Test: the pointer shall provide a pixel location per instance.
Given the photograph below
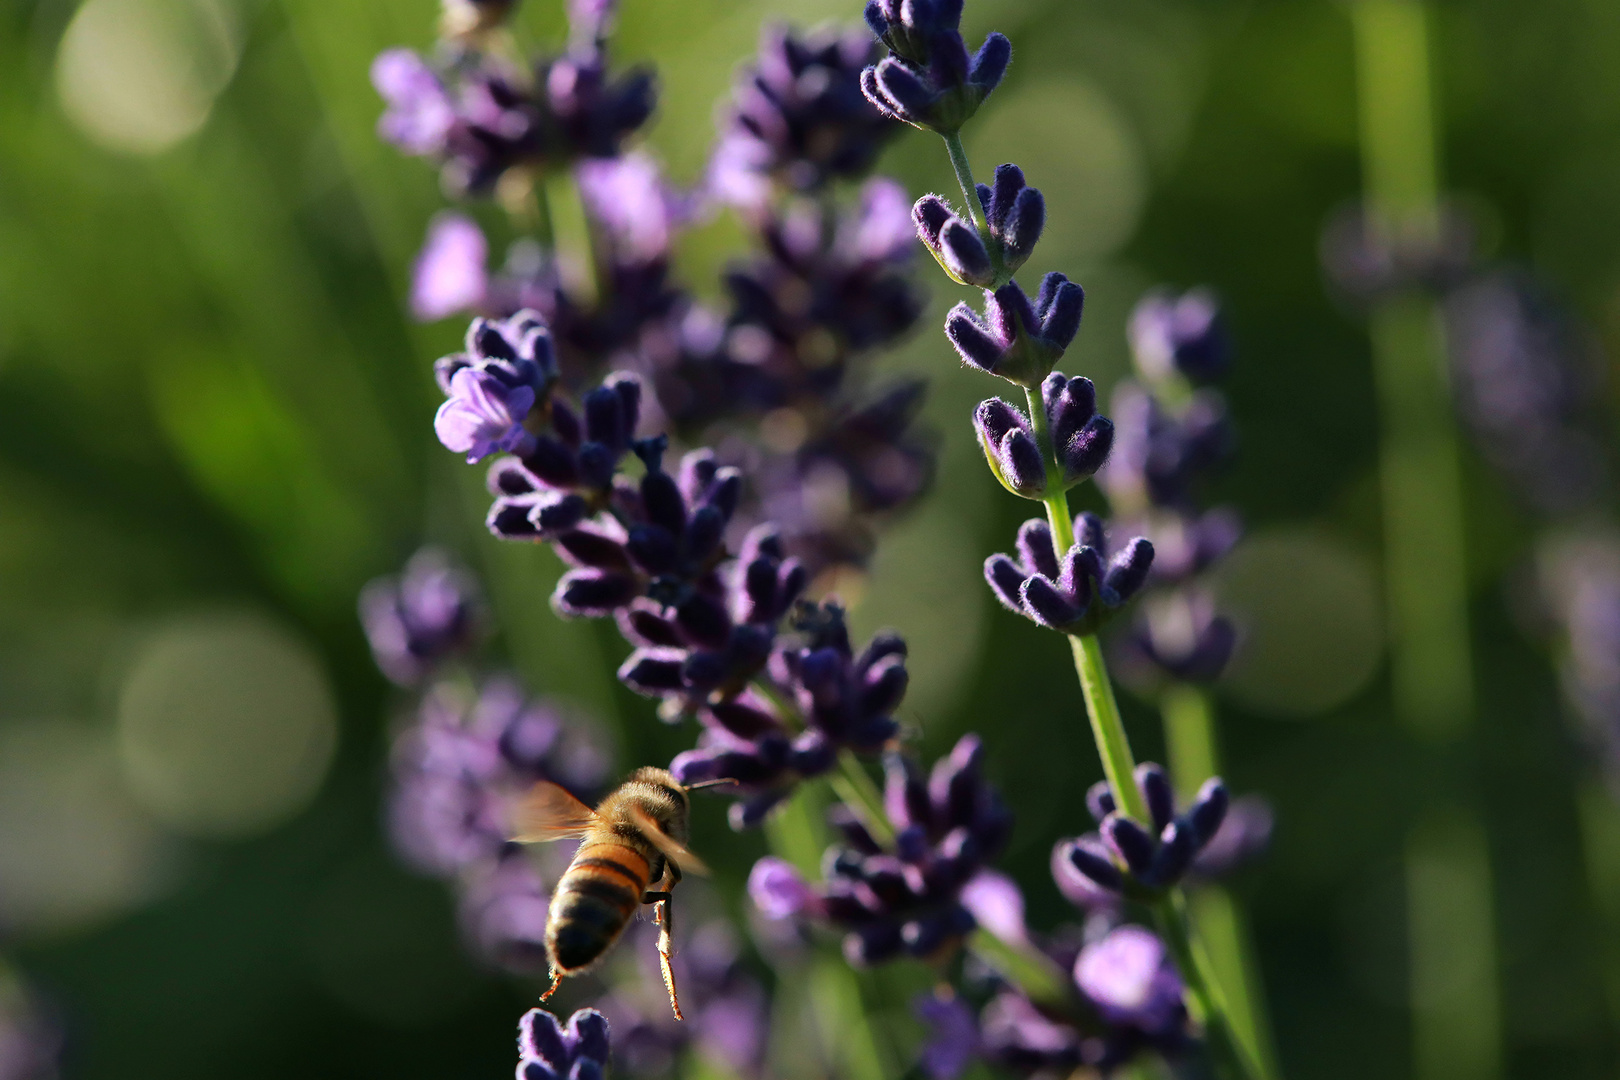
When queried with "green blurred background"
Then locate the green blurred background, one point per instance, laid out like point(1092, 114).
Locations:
point(214, 427)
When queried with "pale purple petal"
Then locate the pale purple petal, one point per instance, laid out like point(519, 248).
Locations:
point(449, 274)
point(996, 903)
point(420, 115)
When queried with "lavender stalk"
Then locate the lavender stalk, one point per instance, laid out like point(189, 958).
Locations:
point(1456, 1032)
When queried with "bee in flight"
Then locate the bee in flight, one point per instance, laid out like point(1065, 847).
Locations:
point(634, 839)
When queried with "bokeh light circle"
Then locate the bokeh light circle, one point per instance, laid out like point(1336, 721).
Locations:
point(226, 725)
point(137, 76)
point(1308, 607)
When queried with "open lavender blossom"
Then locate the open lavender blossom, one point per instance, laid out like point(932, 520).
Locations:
point(929, 80)
point(450, 275)
point(1129, 978)
point(1181, 633)
point(1077, 594)
point(1015, 339)
point(908, 897)
point(1136, 860)
point(417, 620)
point(549, 1051)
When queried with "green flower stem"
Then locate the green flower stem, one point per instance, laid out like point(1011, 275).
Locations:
point(856, 789)
point(1189, 734)
point(1205, 1001)
point(1106, 726)
point(964, 177)
point(1456, 1019)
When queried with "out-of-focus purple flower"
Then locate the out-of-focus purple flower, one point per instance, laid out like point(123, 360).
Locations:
point(449, 275)
point(777, 889)
point(1526, 385)
point(1015, 339)
point(799, 117)
point(954, 1035)
point(483, 415)
point(1135, 859)
point(997, 904)
point(456, 768)
point(516, 352)
point(929, 80)
point(1077, 594)
point(591, 21)
point(1366, 259)
point(1159, 455)
point(637, 208)
point(30, 1041)
point(1128, 976)
point(1243, 836)
point(1180, 633)
point(908, 899)
point(1578, 577)
point(502, 910)
point(1179, 335)
point(548, 1051)
point(420, 113)
point(1017, 1034)
point(416, 620)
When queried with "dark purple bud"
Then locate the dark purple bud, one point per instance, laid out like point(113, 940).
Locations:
point(1042, 602)
point(653, 672)
point(1005, 580)
point(1089, 532)
point(642, 623)
point(964, 255)
point(704, 621)
point(592, 593)
point(1020, 466)
point(1208, 810)
point(604, 418)
point(653, 549)
point(931, 213)
point(1099, 800)
point(587, 547)
point(1034, 546)
point(1130, 842)
point(990, 63)
point(704, 533)
point(901, 91)
point(777, 889)
point(885, 686)
point(551, 462)
point(905, 795)
point(1129, 569)
point(1161, 799)
point(1093, 863)
point(1024, 226)
point(972, 340)
point(662, 502)
point(1059, 305)
point(510, 519)
point(1087, 450)
point(852, 830)
point(597, 464)
point(507, 476)
point(1177, 847)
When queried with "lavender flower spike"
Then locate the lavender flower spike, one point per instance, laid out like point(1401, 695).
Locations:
point(416, 620)
point(1014, 339)
point(548, 1051)
point(1183, 335)
point(929, 80)
point(1078, 594)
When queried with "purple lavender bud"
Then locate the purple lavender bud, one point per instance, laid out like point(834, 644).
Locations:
point(1006, 580)
point(653, 672)
point(1014, 339)
point(955, 1035)
point(1015, 213)
point(1128, 976)
point(1091, 860)
point(1183, 335)
point(1099, 801)
point(1059, 305)
point(590, 547)
point(1043, 602)
point(1208, 810)
point(592, 593)
point(1130, 842)
point(1157, 792)
point(905, 795)
point(1128, 571)
point(1034, 546)
point(990, 64)
point(1019, 466)
point(963, 255)
point(1178, 843)
point(1084, 454)
point(546, 1051)
point(777, 889)
point(482, 415)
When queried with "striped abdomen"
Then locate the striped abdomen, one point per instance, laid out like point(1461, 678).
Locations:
point(593, 903)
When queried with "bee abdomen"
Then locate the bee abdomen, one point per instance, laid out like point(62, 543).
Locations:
point(593, 903)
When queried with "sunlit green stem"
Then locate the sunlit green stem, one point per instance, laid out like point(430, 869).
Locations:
point(1189, 734)
point(964, 177)
point(1019, 962)
point(860, 793)
point(1204, 998)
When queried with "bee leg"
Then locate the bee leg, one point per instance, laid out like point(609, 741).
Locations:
point(663, 914)
point(556, 981)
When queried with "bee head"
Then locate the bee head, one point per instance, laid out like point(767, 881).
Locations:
point(664, 779)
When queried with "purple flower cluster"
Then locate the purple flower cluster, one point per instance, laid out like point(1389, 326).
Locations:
point(1126, 858)
point(483, 118)
point(798, 118)
point(1171, 436)
point(549, 1051)
point(905, 898)
point(1526, 385)
point(417, 620)
point(1078, 593)
point(1015, 215)
point(928, 79)
point(1081, 438)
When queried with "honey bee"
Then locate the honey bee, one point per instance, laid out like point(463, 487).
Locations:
point(635, 838)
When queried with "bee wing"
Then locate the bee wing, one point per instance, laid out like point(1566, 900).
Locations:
point(671, 848)
point(549, 812)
